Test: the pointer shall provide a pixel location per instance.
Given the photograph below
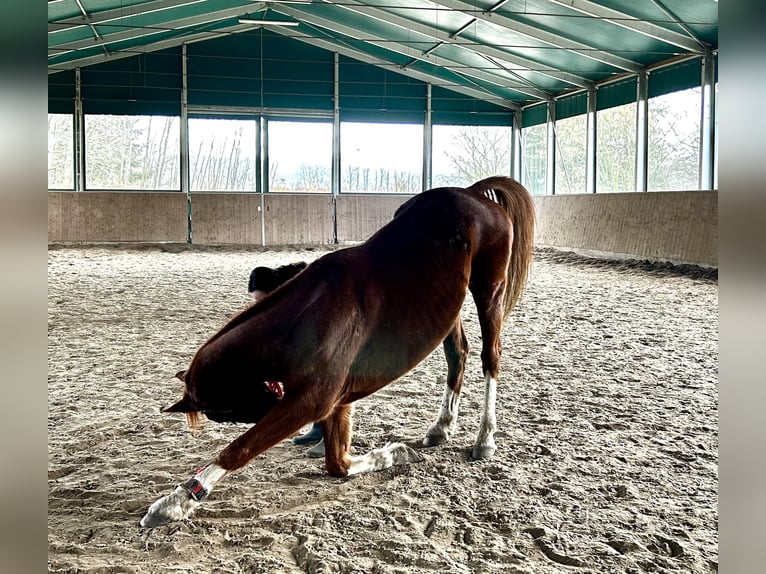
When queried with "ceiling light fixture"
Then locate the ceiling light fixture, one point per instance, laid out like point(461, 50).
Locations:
point(268, 22)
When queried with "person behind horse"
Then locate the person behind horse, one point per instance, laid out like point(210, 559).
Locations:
point(263, 280)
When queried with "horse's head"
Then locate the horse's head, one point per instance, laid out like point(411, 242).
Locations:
point(249, 404)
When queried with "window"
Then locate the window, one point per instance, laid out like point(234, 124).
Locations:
point(300, 156)
point(571, 151)
point(463, 155)
point(616, 149)
point(222, 154)
point(60, 151)
point(674, 140)
point(381, 157)
point(132, 152)
point(534, 153)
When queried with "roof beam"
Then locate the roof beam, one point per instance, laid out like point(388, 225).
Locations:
point(548, 38)
point(589, 8)
point(683, 26)
point(335, 46)
point(151, 47)
point(447, 38)
point(463, 69)
point(136, 9)
point(481, 93)
point(162, 26)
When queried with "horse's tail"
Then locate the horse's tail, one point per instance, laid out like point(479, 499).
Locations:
point(517, 203)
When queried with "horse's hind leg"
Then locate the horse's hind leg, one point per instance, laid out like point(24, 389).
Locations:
point(455, 351)
point(489, 305)
point(336, 429)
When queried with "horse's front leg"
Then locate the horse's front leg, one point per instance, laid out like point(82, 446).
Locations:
point(337, 442)
point(284, 420)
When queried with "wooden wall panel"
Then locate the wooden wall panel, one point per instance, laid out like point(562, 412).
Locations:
point(223, 218)
point(301, 219)
point(93, 217)
point(681, 227)
point(359, 216)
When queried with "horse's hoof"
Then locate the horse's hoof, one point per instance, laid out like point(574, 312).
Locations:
point(175, 506)
point(403, 454)
point(480, 452)
point(435, 439)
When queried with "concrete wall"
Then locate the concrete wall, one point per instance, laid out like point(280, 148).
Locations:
point(681, 227)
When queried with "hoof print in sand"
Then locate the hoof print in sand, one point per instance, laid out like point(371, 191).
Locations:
point(550, 553)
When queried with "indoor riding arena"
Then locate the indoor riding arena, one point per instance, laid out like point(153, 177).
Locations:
point(190, 142)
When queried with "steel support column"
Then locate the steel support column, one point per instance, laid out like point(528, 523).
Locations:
point(184, 145)
point(260, 122)
point(428, 143)
point(79, 135)
point(550, 163)
point(335, 168)
point(707, 123)
point(516, 147)
point(642, 132)
point(590, 144)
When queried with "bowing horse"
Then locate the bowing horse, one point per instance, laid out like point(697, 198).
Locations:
point(355, 320)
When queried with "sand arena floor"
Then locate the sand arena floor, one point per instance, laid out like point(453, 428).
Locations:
point(607, 445)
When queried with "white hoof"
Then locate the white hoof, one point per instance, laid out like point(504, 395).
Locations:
point(483, 451)
point(403, 454)
point(435, 436)
point(175, 506)
point(392, 454)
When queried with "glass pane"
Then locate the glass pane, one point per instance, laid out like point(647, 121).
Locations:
point(616, 149)
point(381, 157)
point(571, 150)
point(60, 151)
point(222, 154)
point(534, 152)
point(300, 156)
point(674, 140)
point(463, 155)
point(132, 152)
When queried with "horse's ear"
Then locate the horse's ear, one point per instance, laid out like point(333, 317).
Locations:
point(181, 375)
point(182, 406)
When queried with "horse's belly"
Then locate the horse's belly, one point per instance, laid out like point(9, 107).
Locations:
point(386, 357)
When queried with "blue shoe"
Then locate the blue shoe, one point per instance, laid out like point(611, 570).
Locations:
point(313, 435)
point(316, 451)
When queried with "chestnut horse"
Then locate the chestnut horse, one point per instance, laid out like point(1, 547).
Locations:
point(357, 319)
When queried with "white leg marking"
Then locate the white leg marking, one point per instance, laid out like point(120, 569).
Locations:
point(445, 423)
point(393, 454)
point(210, 475)
point(485, 441)
point(180, 503)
